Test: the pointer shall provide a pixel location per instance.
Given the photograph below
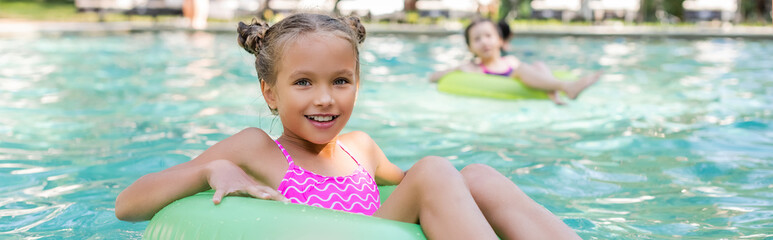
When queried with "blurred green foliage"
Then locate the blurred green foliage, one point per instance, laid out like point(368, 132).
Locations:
point(751, 10)
point(59, 10)
point(672, 7)
point(756, 10)
point(68, 2)
point(37, 9)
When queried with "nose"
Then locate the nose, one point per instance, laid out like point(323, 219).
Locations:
point(323, 97)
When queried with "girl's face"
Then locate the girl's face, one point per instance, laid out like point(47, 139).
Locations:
point(484, 40)
point(316, 87)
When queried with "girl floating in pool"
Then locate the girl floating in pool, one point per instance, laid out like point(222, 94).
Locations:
point(485, 40)
point(309, 73)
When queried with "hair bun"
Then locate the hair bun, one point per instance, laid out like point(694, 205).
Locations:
point(251, 36)
point(356, 26)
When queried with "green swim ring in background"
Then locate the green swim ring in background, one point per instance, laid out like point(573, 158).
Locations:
point(493, 86)
point(196, 217)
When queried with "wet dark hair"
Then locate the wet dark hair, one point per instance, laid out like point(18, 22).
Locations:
point(267, 43)
point(504, 29)
point(501, 28)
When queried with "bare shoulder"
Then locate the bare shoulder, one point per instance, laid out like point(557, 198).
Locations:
point(253, 133)
point(239, 147)
point(373, 158)
point(252, 137)
point(361, 146)
point(512, 61)
point(357, 138)
point(255, 151)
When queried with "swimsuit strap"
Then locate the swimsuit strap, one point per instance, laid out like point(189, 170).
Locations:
point(508, 72)
point(347, 152)
point(505, 73)
point(290, 159)
point(287, 155)
point(485, 70)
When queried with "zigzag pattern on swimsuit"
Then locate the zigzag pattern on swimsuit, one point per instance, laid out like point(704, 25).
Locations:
point(355, 193)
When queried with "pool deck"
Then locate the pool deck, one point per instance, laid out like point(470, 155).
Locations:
point(15, 28)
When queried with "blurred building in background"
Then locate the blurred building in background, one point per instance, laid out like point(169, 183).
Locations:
point(664, 11)
point(139, 7)
point(446, 8)
point(695, 10)
point(374, 10)
point(229, 9)
point(625, 9)
point(565, 10)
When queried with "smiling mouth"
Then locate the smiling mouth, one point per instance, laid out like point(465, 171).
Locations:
point(318, 118)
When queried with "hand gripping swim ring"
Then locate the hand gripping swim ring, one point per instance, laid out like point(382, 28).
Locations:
point(196, 217)
point(492, 86)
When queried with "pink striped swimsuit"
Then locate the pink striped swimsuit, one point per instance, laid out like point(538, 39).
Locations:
point(355, 193)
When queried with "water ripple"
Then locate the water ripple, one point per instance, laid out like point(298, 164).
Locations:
point(673, 142)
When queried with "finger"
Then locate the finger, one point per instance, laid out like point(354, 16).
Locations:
point(218, 196)
point(276, 195)
point(258, 192)
point(281, 198)
point(268, 193)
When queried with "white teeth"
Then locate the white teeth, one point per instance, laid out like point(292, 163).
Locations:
point(321, 118)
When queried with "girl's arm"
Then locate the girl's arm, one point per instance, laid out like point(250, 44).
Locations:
point(387, 173)
point(218, 167)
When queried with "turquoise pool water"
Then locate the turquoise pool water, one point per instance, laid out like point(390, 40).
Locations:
point(676, 140)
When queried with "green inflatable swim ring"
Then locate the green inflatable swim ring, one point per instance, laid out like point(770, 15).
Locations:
point(493, 86)
point(196, 217)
